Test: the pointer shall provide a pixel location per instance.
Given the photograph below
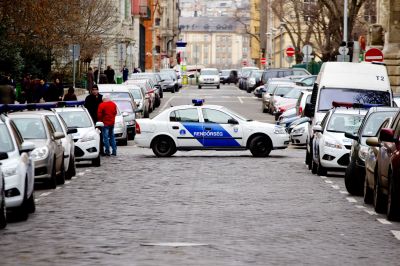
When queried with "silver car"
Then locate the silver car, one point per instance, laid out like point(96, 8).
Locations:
point(48, 155)
point(129, 114)
point(3, 210)
point(142, 100)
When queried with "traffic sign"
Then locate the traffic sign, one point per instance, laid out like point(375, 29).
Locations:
point(263, 61)
point(244, 62)
point(290, 51)
point(307, 49)
point(374, 54)
point(343, 50)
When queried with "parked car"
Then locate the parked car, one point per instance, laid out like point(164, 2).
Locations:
point(3, 209)
point(244, 74)
point(168, 83)
point(129, 115)
point(209, 77)
point(155, 78)
point(253, 81)
point(269, 91)
point(152, 82)
point(17, 168)
point(117, 91)
point(387, 171)
point(298, 131)
point(355, 172)
point(120, 129)
point(331, 147)
point(87, 139)
point(174, 76)
point(229, 76)
point(146, 86)
point(49, 152)
point(281, 73)
point(288, 101)
point(142, 100)
point(277, 95)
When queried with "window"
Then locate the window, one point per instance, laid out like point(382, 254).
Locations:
point(56, 123)
point(215, 116)
point(6, 143)
point(31, 128)
point(184, 115)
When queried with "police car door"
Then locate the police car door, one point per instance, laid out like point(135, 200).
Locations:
point(186, 128)
point(221, 130)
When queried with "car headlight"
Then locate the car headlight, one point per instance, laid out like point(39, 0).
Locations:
point(88, 137)
point(299, 130)
point(279, 130)
point(119, 125)
point(333, 144)
point(9, 171)
point(252, 81)
point(363, 153)
point(171, 84)
point(40, 153)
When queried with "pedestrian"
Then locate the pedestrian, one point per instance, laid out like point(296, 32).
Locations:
point(93, 101)
point(55, 91)
point(106, 113)
point(110, 73)
point(26, 89)
point(125, 73)
point(90, 79)
point(103, 78)
point(7, 92)
point(136, 70)
point(40, 90)
point(70, 95)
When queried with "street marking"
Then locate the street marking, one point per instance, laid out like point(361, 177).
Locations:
point(174, 244)
point(344, 192)
point(335, 187)
point(240, 100)
point(45, 194)
point(383, 221)
point(328, 182)
point(88, 170)
point(58, 188)
point(371, 212)
point(360, 207)
point(67, 182)
point(166, 105)
point(81, 174)
point(352, 200)
point(74, 177)
point(323, 177)
point(37, 200)
point(396, 234)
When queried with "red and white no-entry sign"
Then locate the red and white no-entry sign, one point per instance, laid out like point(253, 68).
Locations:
point(263, 61)
point(290, 51)
point(374, 54)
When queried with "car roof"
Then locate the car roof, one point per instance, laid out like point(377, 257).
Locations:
point(112, 88)
point(69, 109)
point(382, 109)
point(353, 111)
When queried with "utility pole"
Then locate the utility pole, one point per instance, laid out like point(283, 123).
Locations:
point(345, 22)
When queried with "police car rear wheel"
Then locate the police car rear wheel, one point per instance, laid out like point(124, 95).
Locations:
point(163, 147)
point(260, 146)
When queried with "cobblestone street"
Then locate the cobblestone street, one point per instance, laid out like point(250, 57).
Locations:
point(242, 210)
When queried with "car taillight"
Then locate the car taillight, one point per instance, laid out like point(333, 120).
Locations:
point(281, 109)
point(137, 128)
point(300, 110)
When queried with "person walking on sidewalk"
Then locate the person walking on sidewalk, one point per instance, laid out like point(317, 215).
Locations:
point(110, 73)
point(93, 101)
point(106, 114)
point(70, 95)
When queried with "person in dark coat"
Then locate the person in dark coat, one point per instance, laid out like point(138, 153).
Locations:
point(93, 101)
point(40, 90)
point(70, 95)
point(26, 89)
point(125, 73)
point(7, 92)
point(96, 75)
point(90, 79)
point(55, 91)
point(110, 73)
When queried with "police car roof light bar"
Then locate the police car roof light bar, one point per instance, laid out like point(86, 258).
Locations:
point(355, 105)
point(198, 102)
point(6, 108)
point(70, 103)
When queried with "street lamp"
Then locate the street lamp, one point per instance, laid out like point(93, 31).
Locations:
point(269, 47)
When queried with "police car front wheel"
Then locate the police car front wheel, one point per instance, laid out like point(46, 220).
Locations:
point(163, 147)
point(260, 146)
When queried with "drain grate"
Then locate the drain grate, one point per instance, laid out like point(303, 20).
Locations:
point(173, 244)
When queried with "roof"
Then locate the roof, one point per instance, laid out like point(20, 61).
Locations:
point(209, 24)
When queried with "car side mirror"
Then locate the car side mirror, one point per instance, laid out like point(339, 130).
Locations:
point(27, 147)
point(58, 135)
point(233, 121)
point(317, 128)
point(309, 110)
point(373, 142)
point(72, 131)
point(99, 124)
point(351, 135)
point(3, 155)
point(387, 135)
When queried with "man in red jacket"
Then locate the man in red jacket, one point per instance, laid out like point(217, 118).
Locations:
point(106, 113)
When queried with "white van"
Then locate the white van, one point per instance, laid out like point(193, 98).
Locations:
point(366, 83)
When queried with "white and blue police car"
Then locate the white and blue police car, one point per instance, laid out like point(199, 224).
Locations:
point(207, 127)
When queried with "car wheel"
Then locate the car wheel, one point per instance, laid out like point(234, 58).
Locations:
point(3, 211)
point(249, 90)
point(96, 162)
point(157, 102)
point(321, 171)
point(264, 110)
point(146, 113)
point(61, 176)
point(52, 182)
point(218, 87)
point(199, 87)
point(22, 211)
point(71, 168)
point(308, 160)
point(173, 90)
point(368, 192)
point(260, 146)
point(314, 167)
point(124, 142)
point(31, 205)
point(350, 179)
point(379, 199)
point(163, 147)
point(161, 94)
point(393, 212)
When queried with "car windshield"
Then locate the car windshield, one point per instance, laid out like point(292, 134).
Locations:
point(282, 90)
point(6, 143)
point(166, 76)
point(124, 95)
point(124, 106)
point(225, 72)
point(344, 122)
point(238, 116)
point(329, 95)
point(136, 94)
point(374, 122)
point(256, 74)
point(298, 72)
point(209, 72)
point(31, 128)
point(293, 94)
point(246, 71)
point(76, 119)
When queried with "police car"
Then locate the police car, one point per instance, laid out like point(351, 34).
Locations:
point(331, 148)
point(207, 127)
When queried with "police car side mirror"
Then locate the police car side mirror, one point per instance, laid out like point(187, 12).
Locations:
point(58, 135)
point(72, 131)
point(351, 136)
point(233, 121)
point(3, 155)
point(317, 128)
point(27, 147)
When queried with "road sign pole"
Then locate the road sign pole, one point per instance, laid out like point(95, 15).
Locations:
point(73, 65)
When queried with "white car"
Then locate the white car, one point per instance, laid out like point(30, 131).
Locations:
point(3, 210)
point(331, 149)
point(120, 129)
point(87, 139)
point(298, 135)
point(209, 77)
point(18, 169)
point(207, 127)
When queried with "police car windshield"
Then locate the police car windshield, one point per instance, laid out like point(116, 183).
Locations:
point(6, 144)
point(345, 122)
point(329, 95)
point(31, 128)
point(76, 119)
point(236, 115)
point(56, 123)
point(136, 93)
point(374, 122)
point(124, 106)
